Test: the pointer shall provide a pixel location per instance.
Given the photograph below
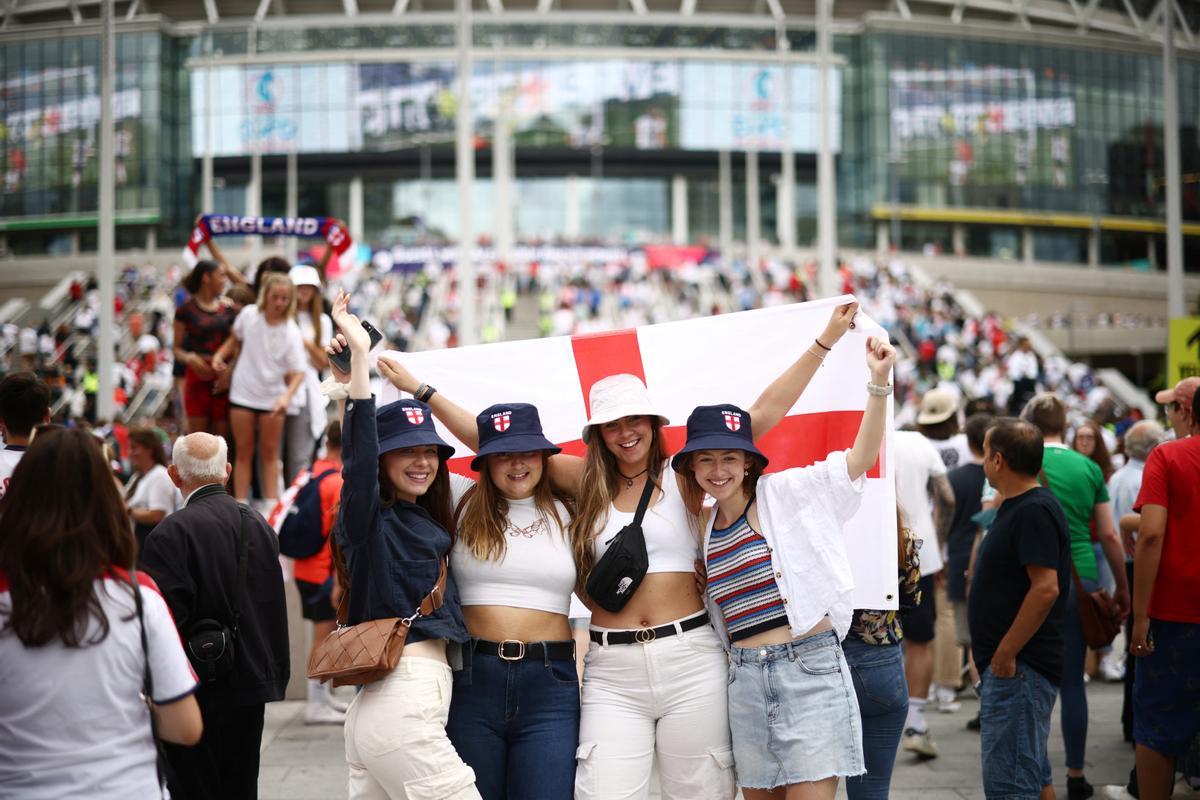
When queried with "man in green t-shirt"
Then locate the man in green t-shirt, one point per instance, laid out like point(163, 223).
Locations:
point(1079, 486)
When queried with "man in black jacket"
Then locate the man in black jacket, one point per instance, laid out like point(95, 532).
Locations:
point(193, 556)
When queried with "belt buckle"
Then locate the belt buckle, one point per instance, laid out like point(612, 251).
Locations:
point(644, 635)
point(520, 650)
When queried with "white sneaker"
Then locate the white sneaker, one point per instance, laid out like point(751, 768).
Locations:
point(1112, 668)
point(946, 702)
point(919, 742)
point(1117, 792)
point(1184, 789)
point(322, 714)
point(337, 703)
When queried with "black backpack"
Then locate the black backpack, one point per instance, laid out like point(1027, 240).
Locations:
point(300, 533)
point(619, 572)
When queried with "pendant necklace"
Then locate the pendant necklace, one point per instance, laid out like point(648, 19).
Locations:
point(629, 479)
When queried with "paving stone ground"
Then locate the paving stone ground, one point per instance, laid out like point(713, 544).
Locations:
point(302, 762)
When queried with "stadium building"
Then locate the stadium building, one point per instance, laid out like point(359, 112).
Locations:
point(999, 130)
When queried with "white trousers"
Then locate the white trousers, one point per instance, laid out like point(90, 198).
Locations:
point(396, 743)
point(666, 698)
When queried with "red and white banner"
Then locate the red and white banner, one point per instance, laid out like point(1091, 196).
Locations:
point(704, 361)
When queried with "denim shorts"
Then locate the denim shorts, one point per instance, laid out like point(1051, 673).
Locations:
point(793, 713)
point(1014, 720)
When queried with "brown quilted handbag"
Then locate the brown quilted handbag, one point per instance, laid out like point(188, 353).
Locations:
point(354, 655)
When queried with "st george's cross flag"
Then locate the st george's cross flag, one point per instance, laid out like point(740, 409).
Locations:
point(730, 358)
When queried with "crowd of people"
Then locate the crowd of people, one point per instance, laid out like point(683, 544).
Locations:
point(705, 601)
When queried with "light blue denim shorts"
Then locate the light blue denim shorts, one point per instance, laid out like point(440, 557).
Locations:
point(793, 713)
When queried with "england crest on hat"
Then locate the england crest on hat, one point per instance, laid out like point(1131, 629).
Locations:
point(733, 420)
point(415, 415)
point(502, 421)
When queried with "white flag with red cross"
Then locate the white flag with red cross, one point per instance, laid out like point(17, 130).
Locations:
point(730, 358)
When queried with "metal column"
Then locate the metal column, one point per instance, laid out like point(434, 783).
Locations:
point(1175, 299)
point(502, 180)
point(464, 170)
point(725, 204)
point(826, 200)
point(679, 210)
point(356, 222)
point(254, 204)
point(106, 267)
point(291, 243)
point(206, 163)
point(753, 211)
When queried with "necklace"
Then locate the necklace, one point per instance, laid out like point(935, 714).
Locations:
point(629, 479)
point(528, 531)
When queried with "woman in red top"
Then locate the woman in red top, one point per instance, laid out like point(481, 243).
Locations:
point(202, 324)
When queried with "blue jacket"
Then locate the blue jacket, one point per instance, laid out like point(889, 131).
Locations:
point(393, 553)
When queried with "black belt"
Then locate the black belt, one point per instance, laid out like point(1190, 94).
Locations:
point(515, 650)
point(646, 635)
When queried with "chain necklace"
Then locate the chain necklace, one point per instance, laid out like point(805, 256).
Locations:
point(629, 479)
point(529, 531)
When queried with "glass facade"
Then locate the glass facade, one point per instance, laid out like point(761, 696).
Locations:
point(49, 117)
point(970, 144)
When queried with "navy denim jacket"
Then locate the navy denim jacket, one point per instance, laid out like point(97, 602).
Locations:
point(392, 553)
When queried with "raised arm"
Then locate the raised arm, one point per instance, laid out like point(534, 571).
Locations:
point(231, 272)
point(778, 398)
point(880, 357)
point(460, 421)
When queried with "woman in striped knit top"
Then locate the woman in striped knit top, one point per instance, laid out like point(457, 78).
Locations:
point(778, 592)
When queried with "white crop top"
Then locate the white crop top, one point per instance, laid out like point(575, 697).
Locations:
point(538, 567)
point(671, 543)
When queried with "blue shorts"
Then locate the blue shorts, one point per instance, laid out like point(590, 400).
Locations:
point(1014, 727)
point(1166, 689)
point(793, 713)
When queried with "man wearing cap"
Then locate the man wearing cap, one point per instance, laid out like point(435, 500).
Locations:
point(1178, 402)
point(1166, 609)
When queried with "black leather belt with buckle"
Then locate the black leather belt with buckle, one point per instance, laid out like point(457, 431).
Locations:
point(515, 650)
point(647, 635)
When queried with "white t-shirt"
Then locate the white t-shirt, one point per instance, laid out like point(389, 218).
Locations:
point(29, 341)
point(917, 461)
point(269, 353)
point(9, 456)
point(72, 724)
point(155, 491)
point(954, 451)
point(538, 567)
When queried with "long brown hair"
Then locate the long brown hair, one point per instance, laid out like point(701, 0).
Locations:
point(693, 495)
point(437, 500)
point(598, 488)
point(1100, 452)
point(482, 515)
point(62, 526)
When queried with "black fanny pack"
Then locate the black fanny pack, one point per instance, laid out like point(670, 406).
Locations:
point(619, 572)
point(211, 644)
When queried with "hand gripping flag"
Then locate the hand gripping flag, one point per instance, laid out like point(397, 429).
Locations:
point(211, 225)
point(725, 359)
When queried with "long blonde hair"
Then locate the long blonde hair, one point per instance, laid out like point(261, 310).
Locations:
point(482, 515)
point(597, 489)
point(270, 280)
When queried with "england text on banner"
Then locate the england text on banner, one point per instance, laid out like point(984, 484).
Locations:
point(723, 359)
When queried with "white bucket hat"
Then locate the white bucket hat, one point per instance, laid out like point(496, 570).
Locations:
point(619, 396)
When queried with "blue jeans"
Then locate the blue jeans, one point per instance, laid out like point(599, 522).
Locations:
point(1074, 706)
point(516, 723)
point(879, 682)
point(1014, 728)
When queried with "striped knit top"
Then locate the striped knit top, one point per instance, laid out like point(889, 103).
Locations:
point(741, 581)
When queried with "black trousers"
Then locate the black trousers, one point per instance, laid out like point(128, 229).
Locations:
point(224, 764)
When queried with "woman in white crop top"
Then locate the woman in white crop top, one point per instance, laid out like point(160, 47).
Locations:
point(514, 711)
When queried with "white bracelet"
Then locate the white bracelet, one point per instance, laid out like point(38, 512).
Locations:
point(877, 390)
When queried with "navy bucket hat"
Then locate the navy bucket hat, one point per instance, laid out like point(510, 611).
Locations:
point(510, 428)
point(408, 423)
point(724, 427)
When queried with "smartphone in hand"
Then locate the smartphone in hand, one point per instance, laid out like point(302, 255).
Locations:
point(342, 360)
